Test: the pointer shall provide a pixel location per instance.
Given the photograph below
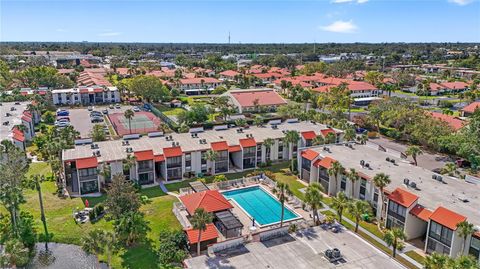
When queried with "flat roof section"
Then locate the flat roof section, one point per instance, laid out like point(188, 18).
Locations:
point(455, 194)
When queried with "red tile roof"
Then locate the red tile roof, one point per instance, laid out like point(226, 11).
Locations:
point(325, 132)
point(452, 121)
point(209, 234)
point(246, 98)
point(403, 197)
point(456, 85)
point(211, 201)
point(421, 212)
point(325, 162)
point(143, 155)
point(248, 142)
point(219, 146)
point(229, 73)
point(309, 154)
point(159, 158)
point(206, 80)
point(89, 162)
point(172, 152)
point(435, 87)
point(447, 217)
point(309, 135)
point(234, 148)
point(26, 118)
point(471, 107)
point(18, 136)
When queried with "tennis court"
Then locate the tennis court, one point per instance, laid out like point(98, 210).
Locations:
point(141, 123)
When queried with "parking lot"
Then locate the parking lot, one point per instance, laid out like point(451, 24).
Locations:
point(80, 118)
point(302, 250)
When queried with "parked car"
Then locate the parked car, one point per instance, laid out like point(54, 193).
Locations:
point(17, 103)
point(136, 109)
point(96, 119)
point(63, 120)
point(95, 113)
point(90, 108)
point(117, 106)
point(63, 112)
point(62, 123)
point(111, 106)
point(105, 111)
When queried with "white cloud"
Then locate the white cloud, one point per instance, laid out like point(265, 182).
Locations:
point(357, 1)
point(109, 34)
point(340, 27)
point(460, 2)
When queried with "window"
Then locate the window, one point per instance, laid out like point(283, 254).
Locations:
point(475, 247)
point(343, 183)
point(188, 162)
point(89, 186)
point(204, 162)
point(306, 164)
point(280, 150)
point(434, 246)
point(144, 165)
point(174, 173)
point(396, 210)
point(308, 142)
point(440, 233)
point(88, 173)
point(145, 178)
point(363, 189)
point(174, 161)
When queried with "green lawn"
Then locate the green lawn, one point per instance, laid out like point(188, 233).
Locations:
point(169, 111)
point(414, 255)
point(63, 228)
point(292, 181)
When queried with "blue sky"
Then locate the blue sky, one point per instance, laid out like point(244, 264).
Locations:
point(251, 21)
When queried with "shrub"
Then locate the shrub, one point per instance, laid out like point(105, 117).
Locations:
point(219, 178)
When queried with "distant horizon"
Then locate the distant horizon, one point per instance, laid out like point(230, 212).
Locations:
point(241, 22)
point(262, 43)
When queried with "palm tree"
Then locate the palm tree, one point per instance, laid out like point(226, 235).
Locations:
point(128, 163)
point(282, 190)
point(211, 156)
point(449, 168)
point(313, 198)
point(268, 143)
point(393, 238)
point(129, 115)
point(34, 184)
point(258, 121)
point(414, 151)
point(349, 134)
point(465, 229)
point(330, 138)
point(358, 208)
point(362, 139)
point(106, 172)
point(292, 137)
point(334, 171)
point(339, 203)
point(380, 181)
point(436, 261)
point(318, 140)
point(353, 176)
point(101, 242)
point(199, 222)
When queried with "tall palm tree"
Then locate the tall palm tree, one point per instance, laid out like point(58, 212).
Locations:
point(393, 238)
point(199, 221)
point(349, 134)
point(381, 180)
point(105, 172)
point(339, 203)
point(282, 190)
point(128, 163)
point(358, 208)
point(34, 183)
point(465, 229)
point(353, 176)
point(268, 143)
point(334, 171)
point(292, 137)
point(313, 198)
point(436, 261)
point(129, 116)
point(414, 151)
point(211, 156)
point(318, 140)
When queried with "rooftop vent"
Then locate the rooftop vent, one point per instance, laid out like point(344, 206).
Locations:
point(362, 163)
point(173, 144)
point(413, 185)
point(406, 181)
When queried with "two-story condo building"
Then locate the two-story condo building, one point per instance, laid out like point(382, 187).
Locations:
point(86, 96)
point(426, 205)
point(198, 85)
point(176, 156)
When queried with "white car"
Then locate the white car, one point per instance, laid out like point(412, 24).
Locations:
point(62, 123)
point(136, 109)
point(90, 108)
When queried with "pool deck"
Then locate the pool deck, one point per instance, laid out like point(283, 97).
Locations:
point(301, 250)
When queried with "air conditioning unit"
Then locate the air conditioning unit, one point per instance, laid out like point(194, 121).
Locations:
point(406, 181)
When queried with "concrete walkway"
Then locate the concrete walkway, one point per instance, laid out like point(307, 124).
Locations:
point(165, 190)
point(402, 254)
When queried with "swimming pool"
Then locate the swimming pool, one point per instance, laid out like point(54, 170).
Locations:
point(260, 205)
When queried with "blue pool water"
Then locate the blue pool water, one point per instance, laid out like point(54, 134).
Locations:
point(260, 205)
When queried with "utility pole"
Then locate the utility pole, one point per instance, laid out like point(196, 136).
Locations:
point(228, 37)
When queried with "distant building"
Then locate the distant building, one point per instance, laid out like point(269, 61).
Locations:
point(252, 99)
point(468, 110)
point(86, 96)
point(195, 86)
